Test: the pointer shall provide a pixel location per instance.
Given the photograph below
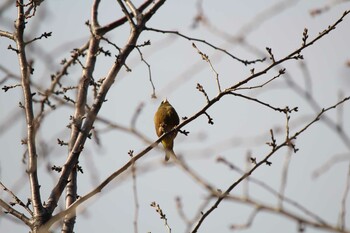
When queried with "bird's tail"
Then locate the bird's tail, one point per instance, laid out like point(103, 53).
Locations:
point(169, 154)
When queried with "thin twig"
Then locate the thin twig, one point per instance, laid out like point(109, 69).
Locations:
point(136, 200)
point(205, 57)
point(45, 34)
point(162, 215)
point(284, 178)
point(121, 21)
point(340, 113)
point(149, 73)
point(245, 62)
point(293, 55)
point(342, 215)
point(247, 168)
point(274, 192)
point(15, 213)
point(329, 163)
point(249, 222)
point(136, 115)
point(17, 200)
point(221, 197)
point(326, 7)
point(283, 212)
point(181, 212)
point(280, 73)
point(283, 110)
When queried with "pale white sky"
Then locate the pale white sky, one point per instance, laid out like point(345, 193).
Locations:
point(240, 126)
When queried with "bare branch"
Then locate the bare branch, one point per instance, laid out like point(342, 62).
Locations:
point(342, 214)
point(328, 164)
point(17, 200)
point(283, 110)
point(134, 11)
point(28, 105)
point(326, 7)
point(293, 55)
point(221, 197)
point(134, 189)
point(6, 88)
point(274, 192)
point(9, 35)
point(45, 35)
point(94, 14)
point(245, 62)
point(149, 69)
point(81, 133)
point(280, 73)
point(248, 223)
point(284, 178)
point(121, 21)
point(78, 116)
point(206, 58)
point(136, 115)
point(15, 213)
point(162, 215)
point(88, 105)
point(99, 188)
point(283, 212)
point(200, 88)
point(127, 14)
point(181, 212)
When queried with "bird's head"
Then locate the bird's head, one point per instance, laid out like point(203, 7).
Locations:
point(165, 100)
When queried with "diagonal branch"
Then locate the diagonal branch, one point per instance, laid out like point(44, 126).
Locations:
point(282, 212)
point(245, 62)
point(15, 213)
point(122, 20)
point(100, 187)
point(79, 138)
point(127, 14)
point(17, 200)
point(293, 55)
point(257, 165)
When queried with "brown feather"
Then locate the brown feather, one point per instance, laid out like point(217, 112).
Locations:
point(165, 119)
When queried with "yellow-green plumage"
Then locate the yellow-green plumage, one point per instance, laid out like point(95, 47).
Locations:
point(165, 119)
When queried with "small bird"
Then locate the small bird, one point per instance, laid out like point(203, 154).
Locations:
point(165, 119)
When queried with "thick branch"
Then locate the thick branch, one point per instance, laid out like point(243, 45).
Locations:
point(100, 187)
point(79, 113)
point(31, 124)
point(122, 20)
point(7, 34)
point(78, 144)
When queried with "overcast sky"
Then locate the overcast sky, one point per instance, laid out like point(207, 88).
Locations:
point(240, 126)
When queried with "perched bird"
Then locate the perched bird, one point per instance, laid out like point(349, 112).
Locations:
point(165, 119)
